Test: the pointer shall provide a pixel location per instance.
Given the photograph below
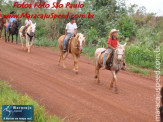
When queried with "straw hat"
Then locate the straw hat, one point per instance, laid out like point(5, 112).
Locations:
point(112, 31)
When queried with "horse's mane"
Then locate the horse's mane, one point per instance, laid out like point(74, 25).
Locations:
point(29, 27)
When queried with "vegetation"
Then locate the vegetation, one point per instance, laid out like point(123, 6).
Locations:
point(141, 30)
point(9, 96)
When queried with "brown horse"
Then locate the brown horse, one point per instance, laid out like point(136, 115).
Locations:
point(75, 47)
point(117, 63)
point(2, 22)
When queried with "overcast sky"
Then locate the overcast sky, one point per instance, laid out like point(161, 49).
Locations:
point(155, 6)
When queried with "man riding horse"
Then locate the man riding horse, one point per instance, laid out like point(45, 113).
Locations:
point(70, 31)
point(112, 44)
point(28, 22)
point(11, 20)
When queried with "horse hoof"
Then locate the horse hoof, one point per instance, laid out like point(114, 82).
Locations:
point(98, 82)
point(111, 89)
point(116, 92)
point(95, 76)
point(77, 72)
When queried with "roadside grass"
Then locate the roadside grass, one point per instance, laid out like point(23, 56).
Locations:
point(138, 70)
point(45, 42)
point(8, 96)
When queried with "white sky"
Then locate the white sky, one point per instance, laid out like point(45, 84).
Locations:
point(155, 6)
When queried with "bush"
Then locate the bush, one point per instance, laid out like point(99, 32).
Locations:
point(140, 56)
point(126, 26)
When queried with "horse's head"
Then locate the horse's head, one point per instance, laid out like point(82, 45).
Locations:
point(17, 24)
point(119, 52)
point(33, 29)
point(80, 41)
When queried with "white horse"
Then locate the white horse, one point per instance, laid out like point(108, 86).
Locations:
point(117, 63)
point(29, 36)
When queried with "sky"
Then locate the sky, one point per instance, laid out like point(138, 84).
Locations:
point(155, 6)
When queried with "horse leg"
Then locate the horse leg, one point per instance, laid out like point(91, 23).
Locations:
point(21, 39)
point(9, 37)
point(12, 38)
point(115, 81)
point(16, 38)
point(27, 44)
point(5, 36)
point(0, 34)
point(75, 69)
point(60, 57)
point(63, 62)
point(111, 84)
point(30, 46)
point(96, 68)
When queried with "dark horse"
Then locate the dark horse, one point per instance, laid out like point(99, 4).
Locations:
point(13, 30)
point(2, 22)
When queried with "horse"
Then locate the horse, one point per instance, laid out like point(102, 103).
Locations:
point(117, 63)
point(75, 47)
point(29, 36)
point(13, 30)
point(2, 22)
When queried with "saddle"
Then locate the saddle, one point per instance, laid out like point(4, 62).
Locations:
point(24, 31)
point(109, 59)
point(68, 46)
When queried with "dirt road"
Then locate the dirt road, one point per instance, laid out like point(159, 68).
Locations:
point(76, 97)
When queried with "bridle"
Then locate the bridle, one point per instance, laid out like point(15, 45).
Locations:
point(119, 62)
point(30, 36)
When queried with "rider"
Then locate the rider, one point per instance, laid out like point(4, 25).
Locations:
point(28, 22)
point(112, 44)
point(11, 20)
point(70, 31)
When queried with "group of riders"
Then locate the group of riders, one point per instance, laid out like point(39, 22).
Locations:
point(70, 31)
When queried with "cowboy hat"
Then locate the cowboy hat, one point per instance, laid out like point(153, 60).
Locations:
point(12, 12)
point(72, 18)
point(112, 31)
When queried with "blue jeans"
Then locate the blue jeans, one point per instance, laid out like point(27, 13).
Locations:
point(68, 36)
point(105, 56)
point(8, 26)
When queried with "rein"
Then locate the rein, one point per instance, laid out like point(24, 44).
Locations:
point(69, 49)
point(119, 64)
point(30, 36)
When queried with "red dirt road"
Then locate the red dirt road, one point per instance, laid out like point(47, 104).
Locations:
point(76, 97)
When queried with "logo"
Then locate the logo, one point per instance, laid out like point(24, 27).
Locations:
point(17, 112)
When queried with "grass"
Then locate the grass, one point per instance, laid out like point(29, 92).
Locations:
point(138, 70)
point(8, 96)
point(45, 42)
